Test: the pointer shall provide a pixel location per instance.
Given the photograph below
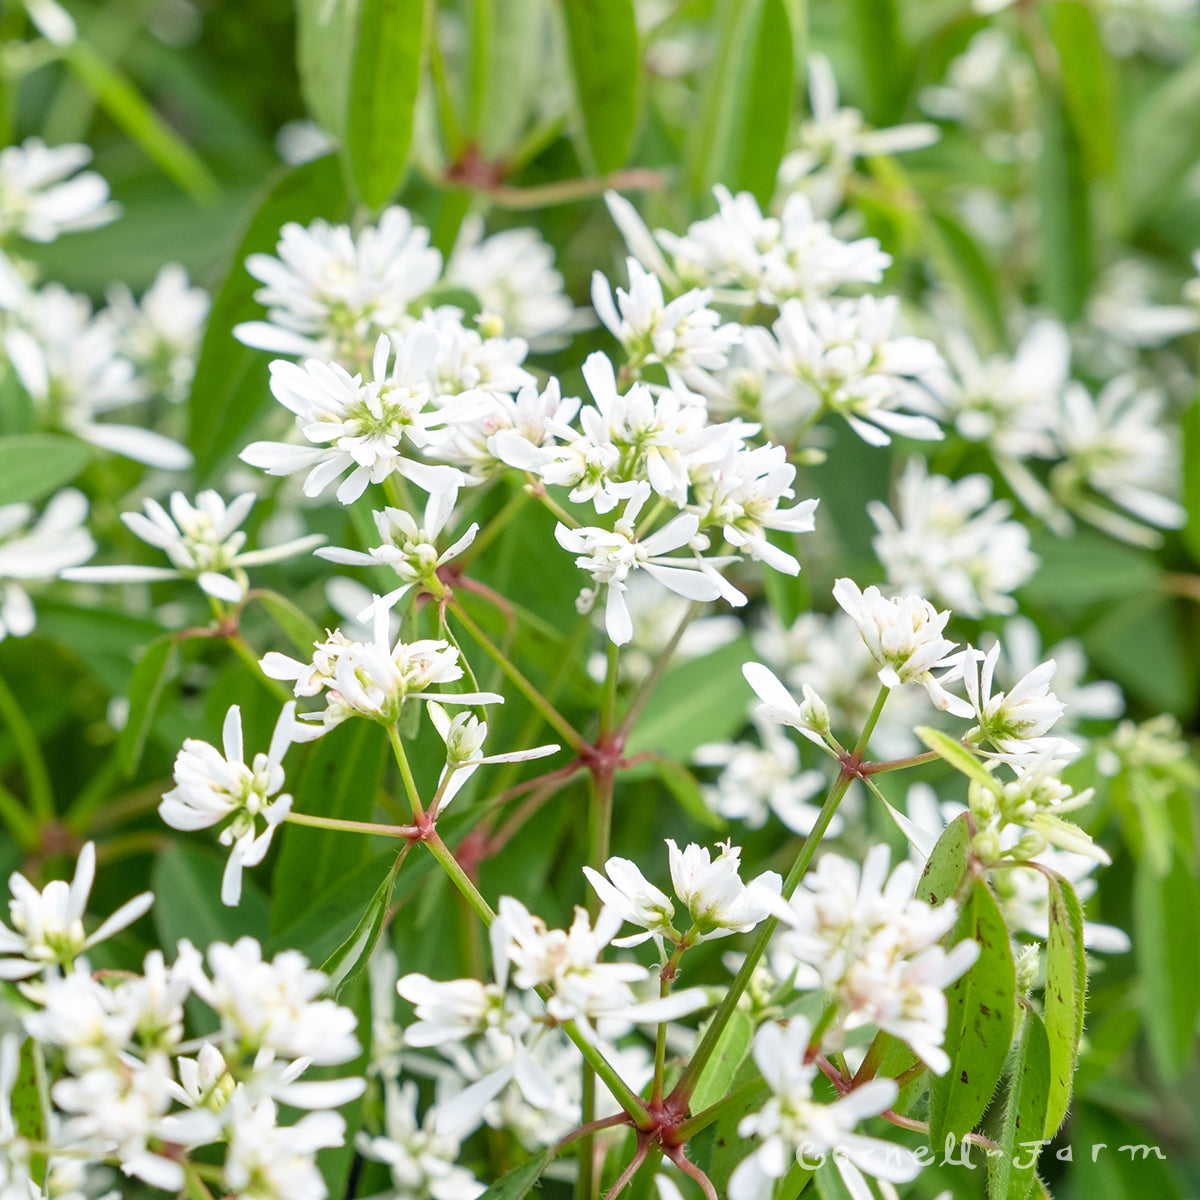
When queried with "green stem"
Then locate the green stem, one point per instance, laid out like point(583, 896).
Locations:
point(410, 784)
point(493, 528)
point(552, 716)
point(459, 877)
point(587, 1186)
point(656, 673)
point(538, 489)
point(898, 764)
point(392, 831)
point(691, 1074)
point(869, 1067)
point(12, 812)
point(860, 747)
point(41, 794)
point(664, 989)
point(608, 704)
point(714, 1112)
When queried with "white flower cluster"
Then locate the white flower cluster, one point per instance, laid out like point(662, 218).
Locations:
point(134, 1093)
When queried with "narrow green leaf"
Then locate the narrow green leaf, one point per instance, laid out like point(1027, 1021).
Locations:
point(350, 957)
point(1087, 81)
point(1064, 251)
point(186, 881)
point(150, 677)
point(884, 55)
point(325, 38)
point(512, 78)
point(603, 40)
point(959, 256)
point(230, 387)
point(681, 783)
point(520, 1181)
point(34, 464)
point(340, 781)
point(1166, 915)
point(716, 1080)
point(702, 700)
point(299, 628)
point(1191, 477)
point(383, 94)
point(28, 1106)
point(130, 110)
point(1065, 997)
point(946, 867)
point(1011, 1172)
point(1164, 141)
point(956, 754)
point(979, 1023)
point(740, 137)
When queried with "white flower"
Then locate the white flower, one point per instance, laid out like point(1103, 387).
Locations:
point(1015, 721)
point(1114, 444)
point(202, 540)
point(833, 138)
point(950, 541)
point(408, 548)
point(844, 359)
point(275, 1006)
point(56, 541)
point(684, 334)
point(209, 787)
point(567, 960)
point(875, 948)
point(512, 273)
point(628, 892)
point(421, 1158)
point(611, 555)
point(39, 201)
point(1008, 402)
point(69, 363)
point(331, 293)
point(794, 256)
point(742, 494)
point(904, 636)
point(367, 428)
point(467, 361)
point(780, 708)
point(713, 893)
point(464, 735)
point(47, 926)
point(372, 679)
point(278, 1162)
point(792, 1122)
point(161, 335)
point(756, 780)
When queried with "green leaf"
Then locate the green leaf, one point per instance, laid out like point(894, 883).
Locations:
point(718, 1148)
point(956, 754)
point(520, 1181)
point(28, 1106)
point(959, 257)
point(150, 677)
point(383, 94)
point(878, 40)
point(716, 1080)
point(512, 78)
point(325, 41)
point(1113, 1159)
point(299, 628)
point(1065, 997)
point(186, 881)
point(979, 1023)
point(1166, 917)
point(230, 388)
point(681, 783)
point(702, 700)
point(946, 867)
point(32, 465)
point(1011, 1172)
point(740, 137)
point(130, 110)
point(1164, 141)
point(1064, 250)
point(1191, 478)
point(349, 958)
point(340, 781)
point(1089, 569)
point(1087, 81)
point(603, 40)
